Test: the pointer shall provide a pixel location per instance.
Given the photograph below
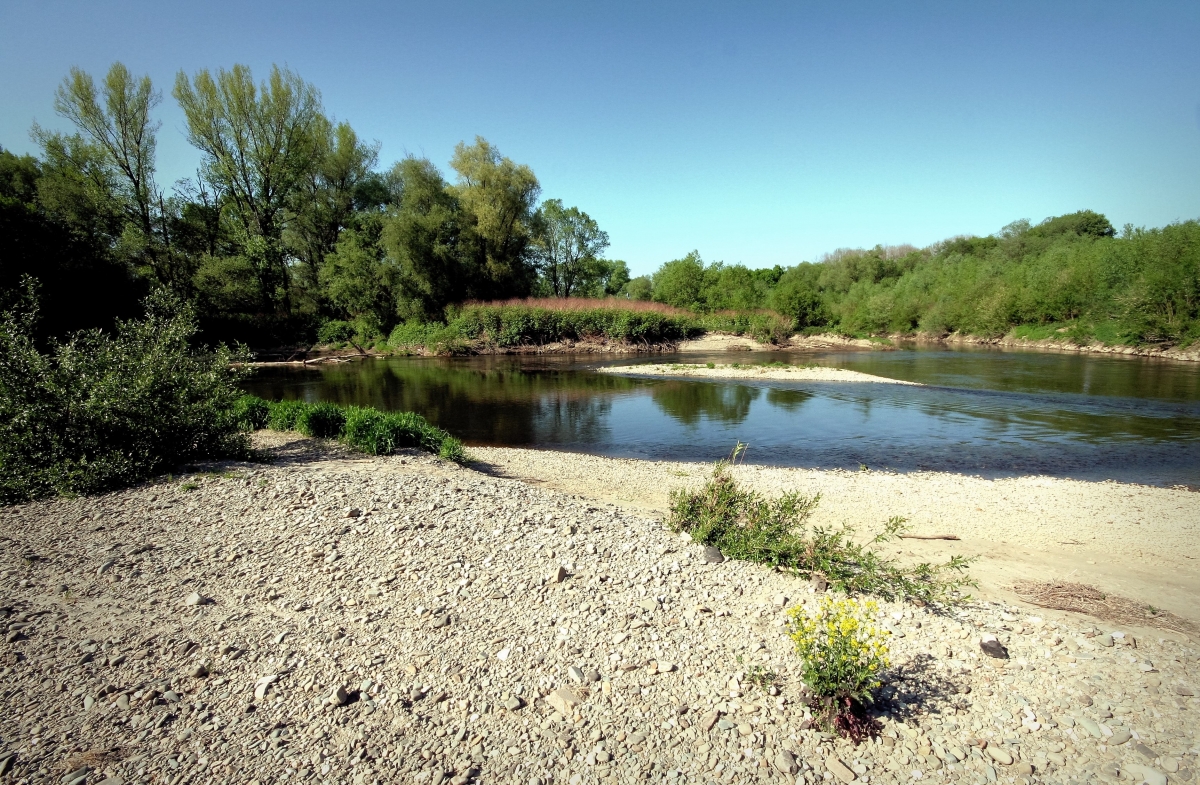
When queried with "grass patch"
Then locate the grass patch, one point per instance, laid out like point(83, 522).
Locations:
point(745, 525)
point(360, 427)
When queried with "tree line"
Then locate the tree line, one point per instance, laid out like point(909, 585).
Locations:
point(289, 224)
point(291, 232)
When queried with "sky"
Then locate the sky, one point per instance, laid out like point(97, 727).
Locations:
point(755, 133)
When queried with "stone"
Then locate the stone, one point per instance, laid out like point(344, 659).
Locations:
point(709, 720)
point(576, 674)
point(354, 512)
point(713, 555)
point(591, 677)
point(6, 764)
point(111, 781)
point(1000, 755)
point(123, 702)
point(839, 769)
point(1090, 725)
point(649, 605)
point(439, 621)
point(1145, 774)
point(193, 600)
point(88, 702)
point(1119, 737)
point(665, 667)
point(785, 763)
point(339, 697)
point(563, 701)
point(994, 648)
point(200, 671)
point(559, 575)
point(513, 704)
point(262, 685)
point(1183, 690)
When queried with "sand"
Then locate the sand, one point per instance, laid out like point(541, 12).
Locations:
point(794, 373)
point(1135, 540)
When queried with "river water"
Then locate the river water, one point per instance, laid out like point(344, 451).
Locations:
point(983, 411)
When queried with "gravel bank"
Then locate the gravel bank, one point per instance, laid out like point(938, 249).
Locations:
point(794, 373)
point(339, 619)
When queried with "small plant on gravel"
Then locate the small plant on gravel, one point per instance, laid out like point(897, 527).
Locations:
point(251, 412)
point(842, 652)
point(284, 415)
point(745, 525)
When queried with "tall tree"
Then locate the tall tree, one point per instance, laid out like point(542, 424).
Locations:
point(260, 143)
point(568, 243)
point(326, 198)
point(497, 197)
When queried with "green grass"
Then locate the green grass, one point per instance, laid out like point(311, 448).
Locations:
point(360, 427)
point(745, 525)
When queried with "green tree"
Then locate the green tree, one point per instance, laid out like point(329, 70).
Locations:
point(497, 198)
point(361, 280)
point(260, 143)
point(567, 244)
point(680, 282)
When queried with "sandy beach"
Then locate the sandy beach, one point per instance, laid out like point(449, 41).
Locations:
point(794, 373)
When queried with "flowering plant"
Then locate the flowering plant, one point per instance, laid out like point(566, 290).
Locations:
point(843, 652)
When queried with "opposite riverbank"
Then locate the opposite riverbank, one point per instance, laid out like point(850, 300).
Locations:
point(335, 617)
point(790, 373)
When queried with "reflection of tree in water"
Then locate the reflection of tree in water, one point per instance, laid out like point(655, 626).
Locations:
point(688, 402)
point(786, 398)
point(481, 400)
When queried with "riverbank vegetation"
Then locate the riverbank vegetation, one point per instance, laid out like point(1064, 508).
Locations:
point(743, 524)
point(293, 234)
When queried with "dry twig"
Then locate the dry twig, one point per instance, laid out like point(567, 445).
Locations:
point(1082, 598)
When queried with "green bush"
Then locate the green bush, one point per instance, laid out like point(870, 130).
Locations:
point(285, 415)
point(361, 427)
point(335, 331)
point(251, 412)
point(103, 411)
point(744, 525)
point(322, 420)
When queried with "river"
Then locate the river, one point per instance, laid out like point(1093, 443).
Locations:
point(982, 411)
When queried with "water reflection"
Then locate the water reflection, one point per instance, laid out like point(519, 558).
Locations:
point(983, 412)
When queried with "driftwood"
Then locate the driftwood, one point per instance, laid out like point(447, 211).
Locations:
point(929, 536)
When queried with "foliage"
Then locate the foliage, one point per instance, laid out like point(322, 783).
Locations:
point(251, 413)
point(335, 331)
point(745, 525)
point(102, 411)
point(567, 244)
point(363, 428)
point(540, 322)
point(843, 653)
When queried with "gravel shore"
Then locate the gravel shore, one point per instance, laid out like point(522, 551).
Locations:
point(793, 373)
point(336, 618)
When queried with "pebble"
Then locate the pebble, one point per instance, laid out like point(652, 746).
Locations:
point(574, 591)
point(713, 555)
point(1000, 755)
point(839, 769)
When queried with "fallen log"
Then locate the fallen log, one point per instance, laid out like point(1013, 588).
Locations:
point(929, 536)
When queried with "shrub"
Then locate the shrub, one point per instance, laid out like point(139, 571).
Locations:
point(843, 652)
point(363, 428)
point(251, 412)
point(322, 420)
point(744, 525)
point(335, 331)
point(102, 411)
point(285, 415)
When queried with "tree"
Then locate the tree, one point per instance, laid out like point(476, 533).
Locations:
point(497, 198)
point(680, 282)
point(260, 143)
point(567, 244)
point(325, 200)
point(124, 130)
point(361, 280)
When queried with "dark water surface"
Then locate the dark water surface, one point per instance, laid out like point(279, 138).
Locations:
point(987, 412)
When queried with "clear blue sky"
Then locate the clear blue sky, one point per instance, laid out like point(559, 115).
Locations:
point(753, 132)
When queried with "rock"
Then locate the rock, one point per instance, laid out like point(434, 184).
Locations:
point(591, 677)
point(513, 704)
point(13, 636)
point(1119, 737)
point(649, 605)
point(563, 701)
point(839, 769)
point(111, 781)
point(709, 720)
point(502, 655)
point(200, 671)
point(262, 685)
point(77, 774)
point(619, 638)
point(713, 555)
point(123, 702)
point(339, 697)
point(818, 583)
point(1170, 764)
point(439, 621)
point(171, 696)
point(1090, 726)
point(1000, 755)
point(6, 764)
point(1024, 768)
point(785, 763)
point(781, 600)
point(193, 600)
point(1145, 751)
point(559, 575)
point(576, 674)
point(88, 702)
point(354, 512)
point(1145, 774)
point(994, 648)
point(1183, 690)
point(665, 667)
